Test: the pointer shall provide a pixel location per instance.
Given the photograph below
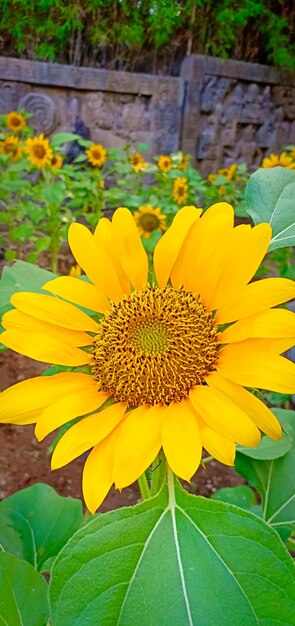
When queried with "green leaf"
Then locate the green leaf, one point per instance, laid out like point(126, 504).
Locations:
point(270, 449)
point(174, 560)
point(55, 193)
point(270, 196)
point(274, 479)
point(21, 276)
point(241, 496)
point(43, 521)
point(61, 138)
point(23, 597)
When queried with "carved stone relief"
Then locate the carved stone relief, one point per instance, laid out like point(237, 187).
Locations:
point(241, 121)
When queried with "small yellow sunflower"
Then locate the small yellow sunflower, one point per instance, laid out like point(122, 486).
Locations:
point(180, 190)
point(164, 365)
point(283, 159)
point(56, 161)
point(96, 155)
point(164, 163)
point(11, 146)
point(15, 121)
point(101, 184)
point(148, 219)
point(211, 178)
point(137, 161)
point(38, 151)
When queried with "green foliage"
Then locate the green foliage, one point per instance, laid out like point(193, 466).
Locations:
point(270, 198)
point(158, 562)
point(36, 522)
point(23, 598)
point(149, 33)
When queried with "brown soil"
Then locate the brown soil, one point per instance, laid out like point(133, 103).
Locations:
point(24, 461)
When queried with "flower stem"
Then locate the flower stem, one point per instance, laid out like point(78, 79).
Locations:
point(158, 473)
point(144, 487)
point(207, 459)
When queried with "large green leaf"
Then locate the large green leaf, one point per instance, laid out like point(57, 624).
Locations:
point(174, 560)
point(274, 479)
point(23, 595)
point(36, 522)
point(270, 194)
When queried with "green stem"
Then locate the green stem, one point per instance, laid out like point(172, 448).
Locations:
point(158, 473)
point(144, 487)
point(207, 459)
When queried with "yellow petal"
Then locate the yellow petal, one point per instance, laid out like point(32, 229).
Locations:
point(255, 409)
point(78, 291)
point(24, 323)
point(205, 249)
point(245, 253)
point(86, 434)
point(97, 474)
point(138, 444)
point(42, 348)
point(85, 399)
point(169, 246)
point(129, 248)
point(256, 297)
point(103, 236)
point(273, 323)
point(181, 439)
point(24, 402)
point(53, 310)
point(95, 263)
point(218, 446)
point(250, 367)
point(224, 416)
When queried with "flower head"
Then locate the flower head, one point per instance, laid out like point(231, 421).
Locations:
point(15, 121)
point(164, 365)
point(56, 161)
point(183, 165)
point(164, 164)
point(38, 151)
point(283, 159)
point(97, 155)
point(12, 147)
point(180, 190)
point(137, 161)
point(148, 219)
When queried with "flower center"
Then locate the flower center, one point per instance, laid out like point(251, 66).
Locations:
point(96, 154)
point(153, 346)
point(149, 222)
point(15, 121)
point(40, 152)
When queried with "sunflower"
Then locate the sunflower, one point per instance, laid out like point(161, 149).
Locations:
point(164, 365)
point(15, 121)
point(148, 219)
point(96, 154)
point(183, 165)
point(11, 146)
point(38, 151)
point(56, 161)
point(164, 163)
point(180, 190)
point(137, 161)
point(279, 159)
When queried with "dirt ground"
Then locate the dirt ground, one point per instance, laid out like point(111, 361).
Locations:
point(24, 461)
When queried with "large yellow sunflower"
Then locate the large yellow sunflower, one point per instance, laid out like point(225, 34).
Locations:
point(38, 151)
point(137, 161)
point(148, 219)
point(167, 363)
point(15, 121)
point(97, 155)
point(180, 190)
point(282, 159)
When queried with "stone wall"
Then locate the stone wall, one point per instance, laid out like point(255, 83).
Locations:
point(235, 112)
point(218, 111)
point(116, 107)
